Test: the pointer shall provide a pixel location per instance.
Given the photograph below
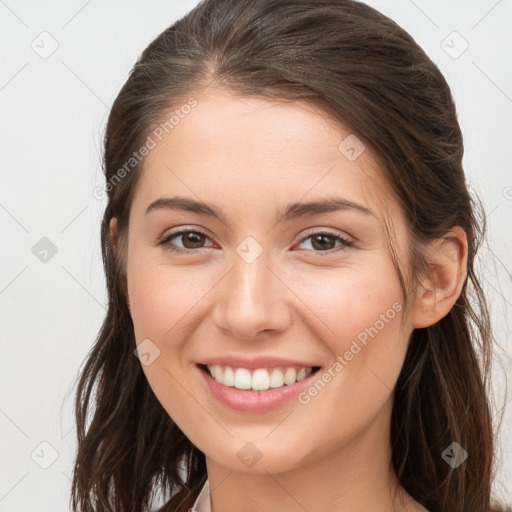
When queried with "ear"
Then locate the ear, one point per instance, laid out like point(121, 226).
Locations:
point(114, 241)
point(113, 234)
point(447, 259)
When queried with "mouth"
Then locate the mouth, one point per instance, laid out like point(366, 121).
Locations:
point(257, 379)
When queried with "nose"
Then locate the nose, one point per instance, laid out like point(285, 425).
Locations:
point(252, 299)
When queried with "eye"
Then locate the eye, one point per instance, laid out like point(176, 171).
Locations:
point(320, 242)
point(190, 240)
point(326, 242)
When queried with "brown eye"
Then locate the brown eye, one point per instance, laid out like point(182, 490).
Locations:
point(323, 242)
point(184, 240)
point(326, 242)
point(192, 239)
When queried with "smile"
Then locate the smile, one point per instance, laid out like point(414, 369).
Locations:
point(255, 390)
point(259, 379)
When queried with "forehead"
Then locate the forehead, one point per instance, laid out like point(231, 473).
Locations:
point(266, 151)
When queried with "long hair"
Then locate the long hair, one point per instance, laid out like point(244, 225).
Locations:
point(369, 73)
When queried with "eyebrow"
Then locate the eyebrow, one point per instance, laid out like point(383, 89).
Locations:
point(291, 211)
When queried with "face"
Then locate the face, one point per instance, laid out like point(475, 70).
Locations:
point(283, 282)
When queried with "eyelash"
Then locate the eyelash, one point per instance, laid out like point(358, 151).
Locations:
point(165, 241)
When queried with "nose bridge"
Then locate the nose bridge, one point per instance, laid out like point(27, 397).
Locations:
point(251, 299)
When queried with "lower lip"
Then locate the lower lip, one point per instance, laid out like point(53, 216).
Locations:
point(254, 401)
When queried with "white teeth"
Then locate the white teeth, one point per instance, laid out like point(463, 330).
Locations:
point(260, 380)
point(290, 376)
point(242, 378)
point(301, 374)
point(276, 378)
point(228, 378)
point(257, 380)
point(218, 374)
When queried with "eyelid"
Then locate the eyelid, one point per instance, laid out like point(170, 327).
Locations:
point(346, 243)
point(181, 230)
point(327, 231)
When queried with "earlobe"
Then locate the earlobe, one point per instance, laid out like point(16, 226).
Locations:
point(437, 293)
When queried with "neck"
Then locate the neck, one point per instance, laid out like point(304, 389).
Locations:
point(356, 476)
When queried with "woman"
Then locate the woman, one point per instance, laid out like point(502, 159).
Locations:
point(294, 317)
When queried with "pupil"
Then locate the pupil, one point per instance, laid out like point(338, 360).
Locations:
point(193, 238)
point(323, 238)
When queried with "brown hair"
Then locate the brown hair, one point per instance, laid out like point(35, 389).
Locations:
point(362, 68)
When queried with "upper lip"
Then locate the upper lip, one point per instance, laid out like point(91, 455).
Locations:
point(255, 362)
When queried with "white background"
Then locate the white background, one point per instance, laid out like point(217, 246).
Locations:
point(53, 114)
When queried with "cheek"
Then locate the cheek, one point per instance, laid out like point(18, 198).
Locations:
point(359, 313)
point(162, 298)
point(350, 301)
point(164, 304)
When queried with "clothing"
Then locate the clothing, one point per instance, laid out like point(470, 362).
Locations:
point(203, 502)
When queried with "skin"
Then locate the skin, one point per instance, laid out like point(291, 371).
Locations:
point(251, 157)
